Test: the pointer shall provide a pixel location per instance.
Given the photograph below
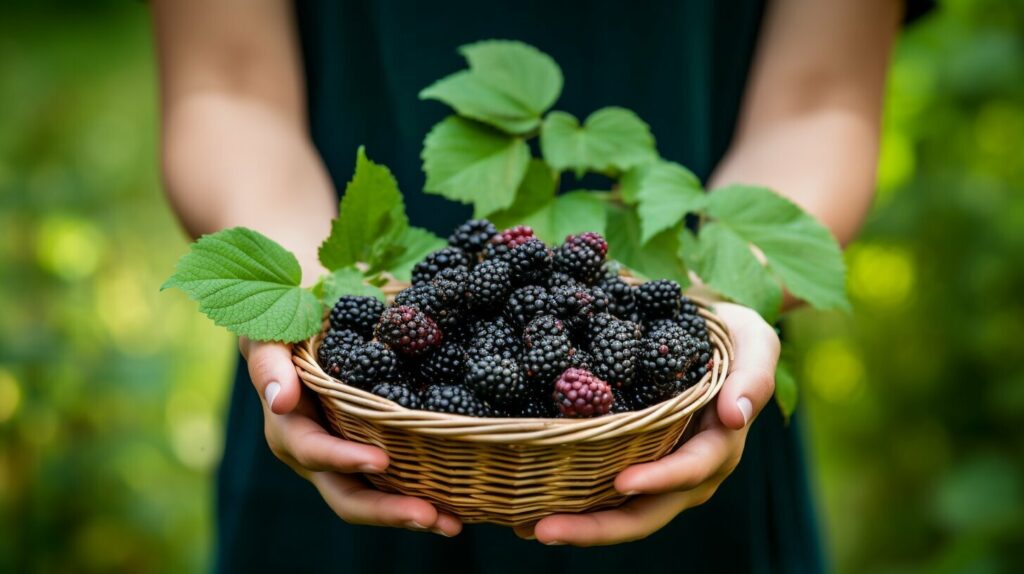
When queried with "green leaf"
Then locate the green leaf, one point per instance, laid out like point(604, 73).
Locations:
point(250, 285)
point(657, 259)
point(371, 214)
point(471, 163)
point(786, 391)
point(536, 190)
point(509, 85)
point(667, 192)
point(344, 281)
point(416, 243)
point(610, 139)
point(800, 250)
point(726, 263)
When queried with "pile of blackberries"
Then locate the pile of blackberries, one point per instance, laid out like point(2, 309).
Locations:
point(497, 324)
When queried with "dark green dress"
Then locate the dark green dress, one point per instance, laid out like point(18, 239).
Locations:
point(682, 67)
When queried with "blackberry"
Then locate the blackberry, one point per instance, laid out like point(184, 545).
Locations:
point(447, 364)
point(621, 402)
point(507, 240)
point(702, 365)
point(647, 392)
point(369, 364)
point(335, 348)
point(403, 395)
point(599, 322)
point(615, 351)
point(450, 287)
point(546, 359)
point(538, 406)
point(621, 296)
point(494, 336)
point(575, 306)
point(695, 325)
point(668, 354)
point(529, 262)
point(432, 264)
point(560, 279)
point(581, 394)
point(408, 330)
point(356, 312)
point(526, 303)
point(581, 359)
point(581, 256)
point(660, 299)
point(425, 297)
point(543, 326)
point(488, 284)
point(456, 400)
point(472, 236)
point(497, 380)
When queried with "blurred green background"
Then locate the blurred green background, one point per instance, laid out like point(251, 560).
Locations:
point(112, 394)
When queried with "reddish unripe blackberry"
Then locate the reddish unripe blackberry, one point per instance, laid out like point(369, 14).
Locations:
point(530, 262)
point(615, 351)
point(403, 395)
point(432, 264)
point(508, 239)
point(454, 399)
point(621, 297)
point(548, 357)
point(497, 380)
point(582, 394)
point(356, 312)
point(526, 303)
point(543, 326)
point(447, 364)
point(581, 256)
point(425, 297)
point(408, 330)
point(668, 354)
point(659, 299)
point(368, 365)
point(488, 285)
point(472, 236)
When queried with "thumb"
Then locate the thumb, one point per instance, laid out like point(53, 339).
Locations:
point(751, 380)
point(273, 374)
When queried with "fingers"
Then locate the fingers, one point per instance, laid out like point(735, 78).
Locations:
point(356, 503)
point(634, 520)
point(273, 374)
point(312, 448)
point(751, 380)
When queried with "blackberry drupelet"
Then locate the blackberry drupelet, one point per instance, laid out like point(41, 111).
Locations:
point(447, 364)
point(408, 330)
point(472, 236)
point(368, 365)
point(506, 240)
point(496, 380)
point(668, 354)
point(526, 303)
point(356, 312)
point(659, 299)
point(530, 262)
point(403, 395)
point(546, 359)
point(581, 394)
point(581, 256)
point(454, 399)
point(488, 285)
point(621, 297)
point(543, 326)
point(615, 351)
point(432, 264)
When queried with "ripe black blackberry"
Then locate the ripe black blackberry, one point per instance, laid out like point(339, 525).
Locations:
point(543, 326)
point(668, 354)
point(432, 264)
point(404, 395)
point(694, 324)
point(450, 287)
point(621, 297)
point(356, 312)
point(581, 359)
point(536, 406)
point(575, 306)
point(338, 341)
point(526, 303)
point(702, 365)
point(530, 262)
point(447, 364)
point(597, 323)
point(659, 299)
point(497, 380)
point(560, 279)
point(621, 402)
point(425, 297)
point(408, 330)
point(494, 336)
point(369, 364)
point(647, 392)
point(506, 240)
point(454, 399)
point(581, 256)
point(472, 236)
point(488, 285)
point(581, 394)
point(615, 351)
point(546, 359)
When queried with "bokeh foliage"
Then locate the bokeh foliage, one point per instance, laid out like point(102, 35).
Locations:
point(112, 394)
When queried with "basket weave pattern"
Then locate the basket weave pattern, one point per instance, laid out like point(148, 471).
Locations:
point(509, 471)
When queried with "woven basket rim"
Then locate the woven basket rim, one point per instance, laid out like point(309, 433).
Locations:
point(532, 431)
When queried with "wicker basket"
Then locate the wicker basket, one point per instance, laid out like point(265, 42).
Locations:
point(505, 470)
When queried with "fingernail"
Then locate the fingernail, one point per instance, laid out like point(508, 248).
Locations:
point(530, 536)
point(271, 393)
point(631, 492)
point(746, 407)
point(554, 543)
point(416, 525)
point(439, 531)
point(370, 468)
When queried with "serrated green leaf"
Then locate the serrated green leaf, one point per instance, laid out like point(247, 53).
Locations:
point(471, 163)
point(416, 243)
point(801, 251)
point(786, 391)
point(666, 193)
point(344, 281)
point(657, 259)
point(508, 85)
point(248, 284)
point(611, 139)
point(370, 216)
point(726, 264)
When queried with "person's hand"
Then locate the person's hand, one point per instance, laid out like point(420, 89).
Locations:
point(295, 436)
point(691, 475)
